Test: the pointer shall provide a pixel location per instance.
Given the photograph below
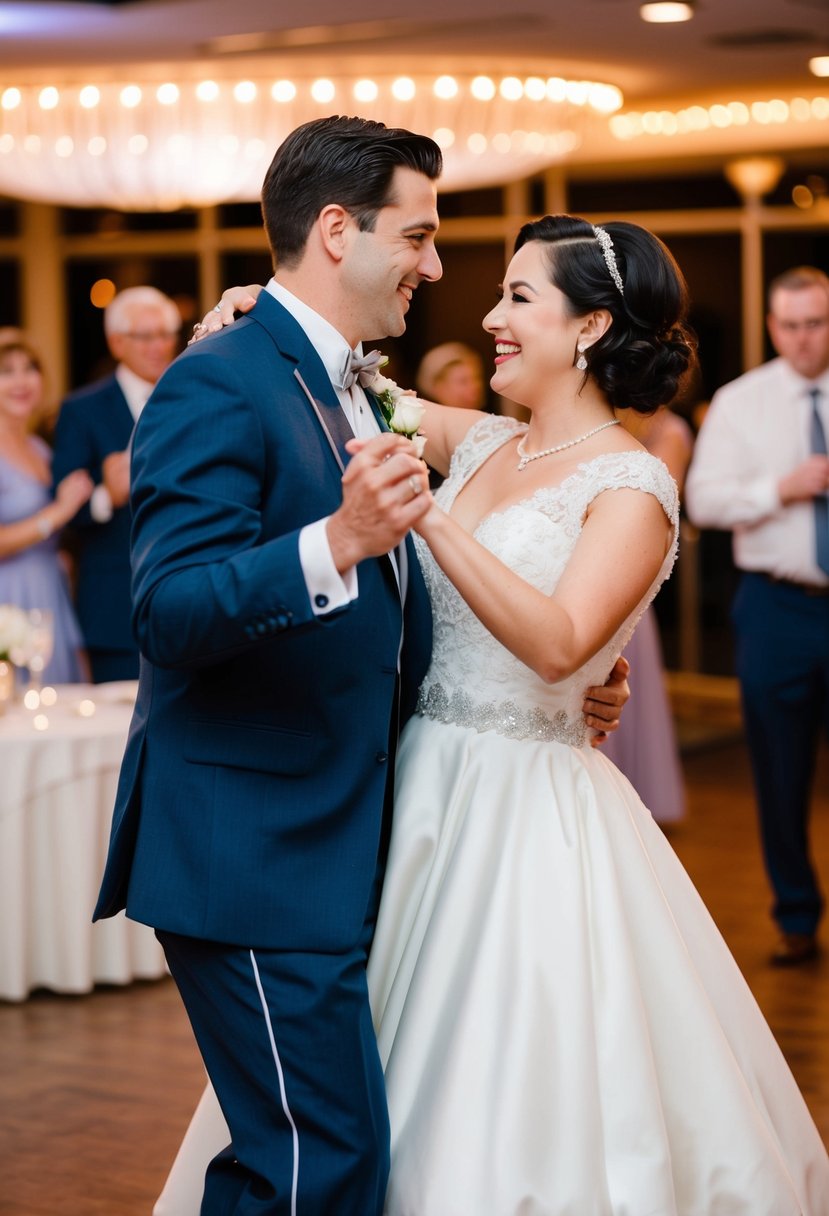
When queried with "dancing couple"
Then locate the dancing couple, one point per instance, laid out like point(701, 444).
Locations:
point(549, 1023)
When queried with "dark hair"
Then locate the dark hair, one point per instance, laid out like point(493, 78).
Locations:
point(640, 360)
point(349, 161)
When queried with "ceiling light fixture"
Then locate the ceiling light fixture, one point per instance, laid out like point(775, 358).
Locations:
point(160, 144)
point(663, 13)
point(819, 65)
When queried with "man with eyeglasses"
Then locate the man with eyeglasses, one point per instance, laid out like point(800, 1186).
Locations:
point(142, 328)
point(761, 469)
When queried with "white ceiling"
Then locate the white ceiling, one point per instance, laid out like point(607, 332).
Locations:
point(738, 44)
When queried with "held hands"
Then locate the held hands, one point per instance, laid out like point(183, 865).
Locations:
point(603, 705)
point(116, 477)
point(385, 492)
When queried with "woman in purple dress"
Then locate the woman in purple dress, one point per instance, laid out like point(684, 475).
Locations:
point(31, 573)
point(645, 746)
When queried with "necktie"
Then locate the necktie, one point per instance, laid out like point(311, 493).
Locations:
point(361, 369)
point(821, 501)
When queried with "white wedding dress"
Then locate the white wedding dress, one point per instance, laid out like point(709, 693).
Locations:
point(563, 1029)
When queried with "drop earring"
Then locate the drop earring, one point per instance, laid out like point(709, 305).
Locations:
point(581, 362)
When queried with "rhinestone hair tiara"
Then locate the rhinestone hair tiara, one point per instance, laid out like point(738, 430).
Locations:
point(609, 256)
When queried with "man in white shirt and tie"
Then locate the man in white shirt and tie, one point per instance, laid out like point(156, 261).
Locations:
point(761, 470)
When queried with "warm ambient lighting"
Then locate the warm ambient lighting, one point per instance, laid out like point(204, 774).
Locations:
point(664, 13)
point(754, 176)
point(635, 124)
point(819, 66)
point(159, 144)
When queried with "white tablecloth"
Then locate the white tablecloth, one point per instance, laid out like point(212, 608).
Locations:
point(57, 789)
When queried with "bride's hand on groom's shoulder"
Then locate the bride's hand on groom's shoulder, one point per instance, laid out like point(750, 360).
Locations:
point(234, 299)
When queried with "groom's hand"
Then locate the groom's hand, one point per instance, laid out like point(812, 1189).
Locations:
point(385, 492)
point(603, 705)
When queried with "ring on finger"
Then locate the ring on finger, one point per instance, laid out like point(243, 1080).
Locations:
point(217, 307)
point(198, 327)
point(417, 488)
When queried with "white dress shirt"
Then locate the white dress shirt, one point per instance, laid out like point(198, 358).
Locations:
point(137, 393)
point(756, 432)
point(321, 575)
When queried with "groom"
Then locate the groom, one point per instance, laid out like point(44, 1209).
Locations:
point(284, 629)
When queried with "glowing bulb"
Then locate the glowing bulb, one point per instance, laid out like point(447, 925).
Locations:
point(283, 90)
point(130, 96)
point(403, 88)
point(511, 88)
point(89, 96)
point(445, 87)
point(663, 13)
point(207, 90)
point(167, 94)
point(48, 98)
point(482, 88)
point(323, 91)
point(245, 91)
point(366, 90)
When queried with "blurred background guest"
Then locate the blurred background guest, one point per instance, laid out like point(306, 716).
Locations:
point(452, 374)
point(645, 746)
point(142, 327)
point(761, 470)
point(31, 573)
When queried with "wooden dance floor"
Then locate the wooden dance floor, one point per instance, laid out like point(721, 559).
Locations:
point(97, 1090)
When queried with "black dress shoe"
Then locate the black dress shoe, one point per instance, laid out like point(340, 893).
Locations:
point(793, 949)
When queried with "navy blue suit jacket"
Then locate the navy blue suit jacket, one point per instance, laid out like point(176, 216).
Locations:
point(93, 423)
point(251, 795)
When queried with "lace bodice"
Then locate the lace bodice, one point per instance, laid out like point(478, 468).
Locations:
point(473, 680)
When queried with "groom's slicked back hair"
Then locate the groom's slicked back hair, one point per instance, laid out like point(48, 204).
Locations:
point(349, 161)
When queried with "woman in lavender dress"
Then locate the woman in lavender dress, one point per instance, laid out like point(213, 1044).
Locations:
point(645, 745)
point(31, 574)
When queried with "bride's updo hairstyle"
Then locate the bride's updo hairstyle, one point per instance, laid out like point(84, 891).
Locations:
point(641, 359)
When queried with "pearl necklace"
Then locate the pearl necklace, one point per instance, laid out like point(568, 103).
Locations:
point(571, 443)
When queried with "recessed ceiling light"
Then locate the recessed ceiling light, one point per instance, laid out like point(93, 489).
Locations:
point(819, 66)
point(664, 12)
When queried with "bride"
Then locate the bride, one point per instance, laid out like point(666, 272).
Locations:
point(563, 1030)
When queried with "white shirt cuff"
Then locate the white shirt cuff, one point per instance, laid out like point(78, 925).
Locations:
point(100, 505)
point(327, 589)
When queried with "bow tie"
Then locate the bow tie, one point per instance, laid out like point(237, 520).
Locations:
point(361, 369)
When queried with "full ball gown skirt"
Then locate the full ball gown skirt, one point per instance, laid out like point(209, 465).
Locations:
point(563, 1029)
point(34, 578)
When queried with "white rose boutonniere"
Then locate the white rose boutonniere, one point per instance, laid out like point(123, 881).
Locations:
point(400, 408)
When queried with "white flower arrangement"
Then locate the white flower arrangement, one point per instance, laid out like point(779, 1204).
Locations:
point(14, 630)
point(400, 408)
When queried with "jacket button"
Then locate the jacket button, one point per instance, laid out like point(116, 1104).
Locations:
point(381, 757)
point(283, 620)
point(321, 601)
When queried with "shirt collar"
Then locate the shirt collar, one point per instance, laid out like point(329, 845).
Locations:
point(328, 342)
point(799, 386)
point(135, 389)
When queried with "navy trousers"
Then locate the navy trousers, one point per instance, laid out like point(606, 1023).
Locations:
point(289, 1045)
point(782, 635)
